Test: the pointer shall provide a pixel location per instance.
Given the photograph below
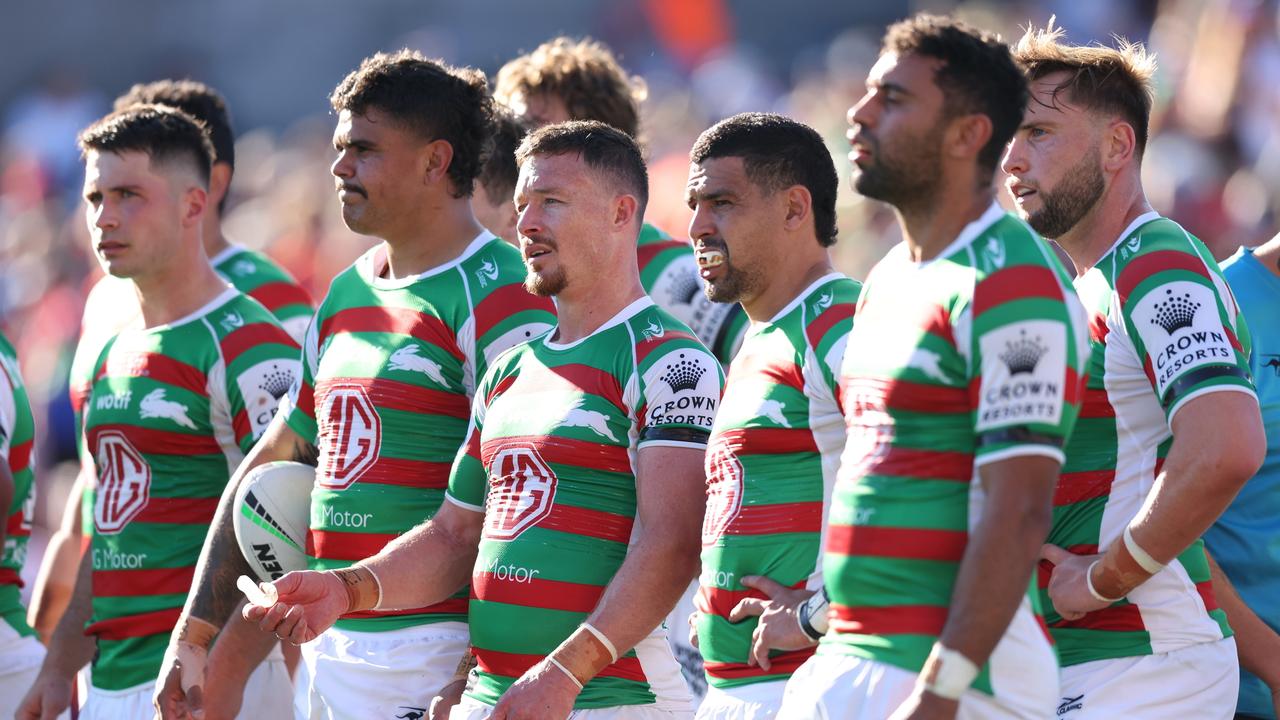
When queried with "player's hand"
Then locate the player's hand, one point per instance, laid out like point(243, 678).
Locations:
point(693, 629)
point(1068, 587)
point(179, 693)
point(544, 692)
point(449, 696)
point(778, 627)
point(48, 697)
point(924, 705)
point(308, 603)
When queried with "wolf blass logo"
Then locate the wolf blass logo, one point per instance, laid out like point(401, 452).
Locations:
point(1173, 314)
point(693, 409)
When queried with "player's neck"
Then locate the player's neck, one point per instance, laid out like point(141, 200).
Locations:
point(432, 239)
point(214, 241)
point(785, 283)
point(1100, 228)
point(173, 293)
point(933, 225)
point(1268, 254)
point(582, 307)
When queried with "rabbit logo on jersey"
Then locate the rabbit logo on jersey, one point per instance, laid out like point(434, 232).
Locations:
point(1024, 372)
point(522, 491)
point(124, 483)
point(1180, 325)
point(262, 386)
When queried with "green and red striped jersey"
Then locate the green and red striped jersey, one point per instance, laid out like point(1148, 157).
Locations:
point(171, 412)
point(970, 358)
point(389, 367)
point(17, 432)
point(771, 464)
point(262, 279)
point(669, 274)
point(551, 460)
point(1164, 329)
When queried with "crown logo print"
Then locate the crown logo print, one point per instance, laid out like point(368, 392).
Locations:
point(683, 375)
point(277, 381)
point(1022, 355)
point(1175, 312)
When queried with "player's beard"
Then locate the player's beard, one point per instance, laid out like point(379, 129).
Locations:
point(904, 173)
point(733, 283)
point(1066, 204)
point(547, 283)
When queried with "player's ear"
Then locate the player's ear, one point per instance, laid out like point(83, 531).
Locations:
point(195, 202)
point(625, 209)
point(799, 207)
point(437, 155)
point(966, 135)
point(1119, 145)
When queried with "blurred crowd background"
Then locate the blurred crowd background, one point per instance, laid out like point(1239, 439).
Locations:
point(1213, 163)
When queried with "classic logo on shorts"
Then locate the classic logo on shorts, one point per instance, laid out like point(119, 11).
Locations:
point(522, 490)
point(351, 434)
point(724, 492)
point(1181, 329)
point(124, 483)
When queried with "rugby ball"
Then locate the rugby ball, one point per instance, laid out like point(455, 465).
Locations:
point(271, 519)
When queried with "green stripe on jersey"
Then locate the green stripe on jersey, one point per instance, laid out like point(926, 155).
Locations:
point(17, 434)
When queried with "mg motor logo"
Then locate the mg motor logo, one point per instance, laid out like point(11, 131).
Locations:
point(522, 489)
point(724, 493)
point(350, 432)
point(124, 483)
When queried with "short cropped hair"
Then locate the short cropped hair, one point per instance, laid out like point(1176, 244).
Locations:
point(584, 74)
point(167, 135)
point(602, 147)
point(977, 75)
point(1112, 81)
point(195, 99)
point(778, 152)
point(499, 174)
point(427, 97)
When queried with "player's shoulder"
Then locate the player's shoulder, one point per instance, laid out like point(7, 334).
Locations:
point(240, 322)
point(241, 265)
point(1156, 252)
point(661, 341)
point(490, 259)
point(827, 307)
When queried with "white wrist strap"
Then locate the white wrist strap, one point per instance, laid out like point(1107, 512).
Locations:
point(949, 672)
point(1088, 580)
point(1142, 557)
point(564, 670)
point(608, 645)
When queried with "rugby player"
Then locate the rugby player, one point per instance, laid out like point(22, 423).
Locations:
point(491, 202)
point(961, 393)
point(575, 505)
point(389, 366)
point(763, 191)
point(1170, 427)
point(177, 398)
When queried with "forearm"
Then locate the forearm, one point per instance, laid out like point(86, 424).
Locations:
point(70, 648)
point(57, 577)
point(240, 648)
point(646, 587)
point(429, 563)
point(1256, 643)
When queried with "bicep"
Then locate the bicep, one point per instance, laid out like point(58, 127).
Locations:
point(670, 487)
point(1020, 485)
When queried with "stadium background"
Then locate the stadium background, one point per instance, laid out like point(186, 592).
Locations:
point(1213, 162)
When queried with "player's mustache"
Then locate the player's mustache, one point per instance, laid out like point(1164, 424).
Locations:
point(353, 188)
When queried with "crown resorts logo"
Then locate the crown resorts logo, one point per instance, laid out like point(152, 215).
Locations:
point(1175, 312)
point(276, 381)
point(683, 375)
point(1022, 355)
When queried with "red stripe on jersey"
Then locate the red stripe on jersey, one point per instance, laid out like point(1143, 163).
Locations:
point(275, 295)
point(402, 321)
point(504, 302)
point(720, 602)
point(178, 511)
point(1117, 618)
point(158, 442)
point(500, 388)
point(780, 371)
point(646, 253)
point(1098, 328)
point(765, 441)
point(306, 400)
point(407, 473)
point(161, 368)
point(821, 325)
point(1206, 594)
point(1074, 487)
point(911, 462)
point(538, 593)
point(19, 457)
point(784, 664)
point(78, 394)
point(132, 583)
point(571, 377)
point(891, 542)
point(452, 606)
point(778, 518)
point(938, 322)
point(13, 526)
point(564, 451)
point(1021, 282)
point(1159, 261)
point(133, 626)
point(588, 522)
point(250, 336)
point(396, 395)
point(9, 576)
point(891, 620)
point(903, 395)
point(240, 425)
point(649, 345)
point(1097, 404)
point(514, 665)
point(337, 545)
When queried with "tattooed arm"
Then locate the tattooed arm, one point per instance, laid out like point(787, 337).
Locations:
point(214, 596)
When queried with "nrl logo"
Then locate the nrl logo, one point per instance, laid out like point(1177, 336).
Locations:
point(231, 321)
point(653, 330)
point(1130, 247)
point(1175, 312)
point(994, 252)
point(243, 267)
point(1022, 355)
point(488, 271)
point(820, 306)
